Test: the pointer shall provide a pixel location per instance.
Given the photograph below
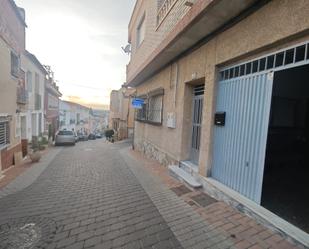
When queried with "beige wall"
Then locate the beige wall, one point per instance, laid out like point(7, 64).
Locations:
point(8, 89)
point(277, 24)
point(154, 34)
point(121, 110)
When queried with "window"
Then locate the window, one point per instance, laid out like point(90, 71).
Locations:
point(14, 64)
point(141, 30)
point(155, 109)
point(29, 81)
point(4, 133)
point(65, 133)
point(152, 109)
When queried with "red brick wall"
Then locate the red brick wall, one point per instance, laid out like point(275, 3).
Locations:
point(7, 156)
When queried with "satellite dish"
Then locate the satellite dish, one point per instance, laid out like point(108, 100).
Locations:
point(127, 49)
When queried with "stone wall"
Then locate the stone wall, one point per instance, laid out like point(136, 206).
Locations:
point(153, 152)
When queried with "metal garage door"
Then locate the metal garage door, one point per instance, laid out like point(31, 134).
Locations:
point(244, 93)
point(239, 145)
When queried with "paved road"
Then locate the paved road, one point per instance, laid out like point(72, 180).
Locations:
point(91, 196)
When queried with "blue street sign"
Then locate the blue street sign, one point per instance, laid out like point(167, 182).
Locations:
point(137, 103)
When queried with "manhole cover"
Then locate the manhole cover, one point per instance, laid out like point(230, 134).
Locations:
point(203, 199)
point(27, 233)
point(181, 190)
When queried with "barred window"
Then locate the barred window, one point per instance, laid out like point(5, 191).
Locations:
point(4, 133)
point(152, 108)
point(142, 113)
point(155, 109)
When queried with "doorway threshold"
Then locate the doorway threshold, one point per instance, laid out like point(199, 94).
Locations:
point(252, 209)
point(189, 167)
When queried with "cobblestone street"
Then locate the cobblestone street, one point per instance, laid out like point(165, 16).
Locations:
point(94, 196)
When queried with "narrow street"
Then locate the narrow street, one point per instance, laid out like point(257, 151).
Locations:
point(89, 196)
point(100, 195)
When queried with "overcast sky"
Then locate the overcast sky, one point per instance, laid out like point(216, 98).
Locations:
point(81, 40)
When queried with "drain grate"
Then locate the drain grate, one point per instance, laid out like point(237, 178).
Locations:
point(27, 233)
point(181, 190)
point(203, 199)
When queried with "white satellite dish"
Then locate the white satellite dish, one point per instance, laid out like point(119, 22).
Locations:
point(127, 49)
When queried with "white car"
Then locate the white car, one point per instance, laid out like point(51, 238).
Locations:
point(65, 137)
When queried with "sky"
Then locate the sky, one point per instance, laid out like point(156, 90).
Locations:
point(81, 40)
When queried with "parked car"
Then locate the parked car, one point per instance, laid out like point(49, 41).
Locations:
point(82, 137)
point(92, 136)
point(98, 135)
point(65, 137)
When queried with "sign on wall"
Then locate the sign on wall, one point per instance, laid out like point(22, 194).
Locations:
point(137, 103)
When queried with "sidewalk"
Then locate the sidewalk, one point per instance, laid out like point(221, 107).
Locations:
point(19, 177)
point(236, 229)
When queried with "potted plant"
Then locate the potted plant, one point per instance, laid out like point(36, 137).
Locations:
point(35, 154)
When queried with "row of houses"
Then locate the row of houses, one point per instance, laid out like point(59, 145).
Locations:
point(81, 119)
point(29, 96)
point(226, 100)
point(30, 105)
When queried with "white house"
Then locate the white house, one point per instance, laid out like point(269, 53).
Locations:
point(32, 121)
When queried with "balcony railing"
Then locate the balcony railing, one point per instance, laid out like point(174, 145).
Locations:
point(165, 8)
point(22, 96)
point(38, 102)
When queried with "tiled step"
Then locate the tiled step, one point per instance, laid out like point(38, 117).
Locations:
point(182, 175)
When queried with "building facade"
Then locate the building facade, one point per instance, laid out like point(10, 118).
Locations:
point(32, 121)
point(74, 117)
point(121, 117)
point(216, 77)
point(13, 96)
point(51, 104)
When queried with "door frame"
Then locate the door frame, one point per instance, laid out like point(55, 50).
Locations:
point(194, 155)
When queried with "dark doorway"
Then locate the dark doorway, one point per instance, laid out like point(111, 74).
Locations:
point(286, 174)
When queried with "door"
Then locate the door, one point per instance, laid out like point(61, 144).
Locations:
point(197, 114)
point(240, 144)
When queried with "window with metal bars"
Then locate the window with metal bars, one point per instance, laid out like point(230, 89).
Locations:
point(279, 59)
point(141, 114)
point(155, 109)
point(4, 133)
point(152, 109)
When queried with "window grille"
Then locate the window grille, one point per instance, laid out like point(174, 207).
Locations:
point(155, 109)
point(276, 60)
point(152, 109)
point(142, 113)
point(4, 133)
